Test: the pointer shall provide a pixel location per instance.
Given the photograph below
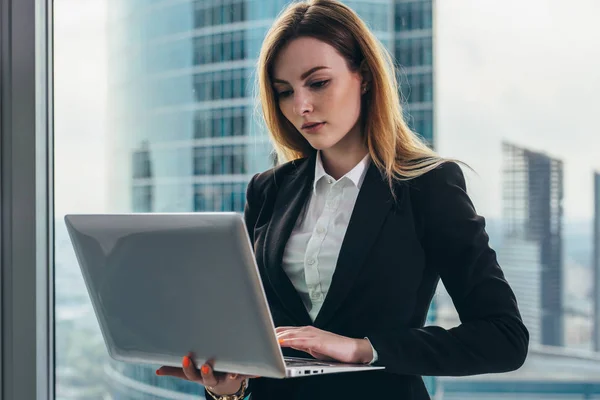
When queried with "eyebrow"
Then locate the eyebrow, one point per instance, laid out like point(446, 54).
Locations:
point(304, 75)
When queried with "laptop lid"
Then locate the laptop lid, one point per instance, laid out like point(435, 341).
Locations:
point(162, 285)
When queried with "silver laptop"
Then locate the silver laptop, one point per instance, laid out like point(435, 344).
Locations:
point(163, 285)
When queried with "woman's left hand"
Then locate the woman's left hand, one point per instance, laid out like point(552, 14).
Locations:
point(325, 346)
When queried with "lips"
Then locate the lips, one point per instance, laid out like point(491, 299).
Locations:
point(311, 125)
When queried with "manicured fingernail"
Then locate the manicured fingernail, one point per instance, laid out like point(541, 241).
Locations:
point(281, 341)
point(158, 372)
point(205, 369)
point(186, 362)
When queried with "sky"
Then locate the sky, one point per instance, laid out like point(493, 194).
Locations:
point(525, 72)
point(521, 71)
point(80, 96)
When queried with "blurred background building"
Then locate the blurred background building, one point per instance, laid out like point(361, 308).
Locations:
point(532, 251)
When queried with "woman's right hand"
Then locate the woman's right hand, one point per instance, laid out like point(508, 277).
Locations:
point(219, 383)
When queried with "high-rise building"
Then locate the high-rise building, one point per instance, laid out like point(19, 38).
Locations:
point(414, 51)
point(532, 254)
point(596, 262)
point(184, 133)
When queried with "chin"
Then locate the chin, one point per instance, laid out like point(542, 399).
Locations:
point(319, 146)
point(321, 143)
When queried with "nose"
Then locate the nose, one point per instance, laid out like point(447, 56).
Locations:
point(302, 103)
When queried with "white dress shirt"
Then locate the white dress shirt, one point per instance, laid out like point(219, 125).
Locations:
point(312, 251)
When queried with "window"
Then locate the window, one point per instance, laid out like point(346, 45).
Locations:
point(153, 113)
point(219, 122)
point(413, 15)
point(414, 52)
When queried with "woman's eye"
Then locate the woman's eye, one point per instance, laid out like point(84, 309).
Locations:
point(284, 94)
point(319, 84)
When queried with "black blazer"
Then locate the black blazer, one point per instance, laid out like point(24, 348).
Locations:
point(391, 259)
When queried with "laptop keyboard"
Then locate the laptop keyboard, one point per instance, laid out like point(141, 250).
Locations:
point(299, 362)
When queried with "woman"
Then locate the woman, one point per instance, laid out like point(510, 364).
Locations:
point(354, 231)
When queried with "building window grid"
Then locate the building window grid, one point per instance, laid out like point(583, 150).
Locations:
point(375, 15)
point(210, 13)
point(210, 86)
point(413, 16)
point(215, 48)
point(220, 160)
point(416, 87)
point(220, 123)
point(219, 197)
point(414, 52)
point(421, 122)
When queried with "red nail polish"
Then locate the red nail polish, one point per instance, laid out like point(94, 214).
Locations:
point(186, 362)
point(205, 369)
point(158, 372)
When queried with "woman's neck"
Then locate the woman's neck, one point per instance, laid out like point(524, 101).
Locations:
point(338, 162)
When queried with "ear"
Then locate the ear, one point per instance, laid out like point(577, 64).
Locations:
point(367, 76)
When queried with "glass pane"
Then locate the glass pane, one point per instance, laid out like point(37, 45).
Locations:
point(137, 129)
point(154, 113)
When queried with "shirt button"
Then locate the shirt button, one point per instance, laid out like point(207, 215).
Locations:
point(329, 180)
point(320, 230)
point(311, 261)
point(316, 296)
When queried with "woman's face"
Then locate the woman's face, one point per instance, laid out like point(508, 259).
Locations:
point(314, 85)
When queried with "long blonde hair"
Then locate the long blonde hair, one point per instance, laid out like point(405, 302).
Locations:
point(398, 152)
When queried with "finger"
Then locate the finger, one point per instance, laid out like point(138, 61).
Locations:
point(307, 346)
point(303, 342)
point(281, 329)
point(189, 369)
point(295, 334)
point(208, 376)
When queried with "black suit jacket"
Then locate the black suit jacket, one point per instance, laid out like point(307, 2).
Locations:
point(391, 259)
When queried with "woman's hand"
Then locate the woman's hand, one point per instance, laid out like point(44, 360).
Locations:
point(324, 345)
point(218, 383)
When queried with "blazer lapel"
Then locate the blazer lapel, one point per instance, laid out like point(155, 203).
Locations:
point(370, 210)
point(291, 197)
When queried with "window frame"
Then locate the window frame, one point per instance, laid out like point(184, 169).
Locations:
point(26, 201)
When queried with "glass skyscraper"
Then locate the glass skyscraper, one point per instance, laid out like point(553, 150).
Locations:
point(532, 254)
point(184, 131)
point(414, 51)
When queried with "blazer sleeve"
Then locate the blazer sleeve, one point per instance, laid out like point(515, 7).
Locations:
point(491, 337)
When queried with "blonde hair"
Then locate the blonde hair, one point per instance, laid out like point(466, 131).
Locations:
point(398, 152)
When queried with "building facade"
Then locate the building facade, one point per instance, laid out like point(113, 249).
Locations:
point(533, 220)
point(184, 131)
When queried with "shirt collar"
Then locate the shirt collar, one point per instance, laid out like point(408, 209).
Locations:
point(356, 174)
